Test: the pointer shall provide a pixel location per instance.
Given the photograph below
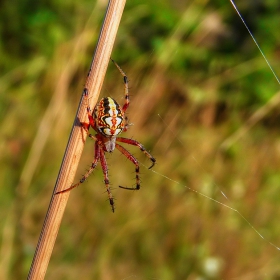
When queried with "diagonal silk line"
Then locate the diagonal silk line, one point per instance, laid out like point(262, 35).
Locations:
point(255, 41)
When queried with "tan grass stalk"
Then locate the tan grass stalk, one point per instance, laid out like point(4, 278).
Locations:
point(76, 141)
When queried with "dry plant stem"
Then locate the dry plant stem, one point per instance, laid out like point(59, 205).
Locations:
point(76, 141)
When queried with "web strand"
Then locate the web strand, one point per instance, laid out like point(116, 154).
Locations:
point(222, 192)
point(218, 202)
point(255, 41)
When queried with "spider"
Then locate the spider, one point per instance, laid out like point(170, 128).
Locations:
point(108, 120)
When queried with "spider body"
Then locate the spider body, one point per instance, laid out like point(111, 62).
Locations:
point(109, 117)
point(108, 120)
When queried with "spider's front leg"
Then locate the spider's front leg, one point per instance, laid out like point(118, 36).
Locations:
point(106, 178)
point(140, 146)
point(92, 167)
point(132, 158)
point(135, 161)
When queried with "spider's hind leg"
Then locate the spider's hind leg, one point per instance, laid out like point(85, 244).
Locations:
point(91, 123)
point(126, 89)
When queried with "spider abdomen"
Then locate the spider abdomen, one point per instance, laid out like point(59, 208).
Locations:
point(109, 117)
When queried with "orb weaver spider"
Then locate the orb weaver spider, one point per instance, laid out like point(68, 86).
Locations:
point(108, 120)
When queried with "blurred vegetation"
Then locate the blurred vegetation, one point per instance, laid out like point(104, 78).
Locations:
point(198, 84)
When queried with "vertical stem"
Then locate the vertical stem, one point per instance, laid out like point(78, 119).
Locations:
point(76, 141)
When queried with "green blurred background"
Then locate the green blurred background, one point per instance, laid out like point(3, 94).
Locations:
point(203, 102)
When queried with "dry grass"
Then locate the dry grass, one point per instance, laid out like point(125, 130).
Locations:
point(76, 140)
point(188, 96)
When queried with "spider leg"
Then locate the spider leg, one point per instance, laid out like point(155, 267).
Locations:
point(126, 125)
point(126, 91)
point(135, 161)
point(106, 178)
point(91, 123)
point(86, 175)
point(140, 146)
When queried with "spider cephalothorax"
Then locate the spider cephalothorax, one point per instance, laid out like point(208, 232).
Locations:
point(108, 120)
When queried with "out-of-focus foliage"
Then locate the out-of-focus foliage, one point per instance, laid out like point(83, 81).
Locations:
point(197, 80)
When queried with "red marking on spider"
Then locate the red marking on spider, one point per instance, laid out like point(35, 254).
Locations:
point(108, 120)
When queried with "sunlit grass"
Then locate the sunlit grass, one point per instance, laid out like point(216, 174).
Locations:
point(192, 87)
